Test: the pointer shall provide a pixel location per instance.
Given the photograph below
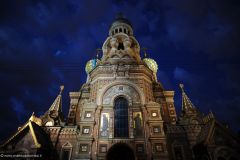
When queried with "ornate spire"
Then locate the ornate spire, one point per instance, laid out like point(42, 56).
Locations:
point(186, 103)
point(144, 51)
point(98, 51)
point(57, 104)
point(122, 18)
point(119, 15)
point(54, 115)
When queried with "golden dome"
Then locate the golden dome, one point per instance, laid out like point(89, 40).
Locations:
point(91, 64)
point(152, 64)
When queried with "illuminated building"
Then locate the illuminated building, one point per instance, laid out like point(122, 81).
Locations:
point(124, 110)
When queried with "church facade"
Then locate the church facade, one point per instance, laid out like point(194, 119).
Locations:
point(124, 112)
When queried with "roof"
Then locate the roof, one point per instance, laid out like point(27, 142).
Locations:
point(186, 102)
point(57, 104)
point(38, 135)
point(151, 64)
point(120, 18)
point(207, 132)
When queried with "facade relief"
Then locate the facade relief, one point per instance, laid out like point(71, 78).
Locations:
point(104, 127)
point(118, 90)
point(138, 124)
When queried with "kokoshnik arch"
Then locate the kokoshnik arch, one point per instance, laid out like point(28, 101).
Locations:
point(124, 112)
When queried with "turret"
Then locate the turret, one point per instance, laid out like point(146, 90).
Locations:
point(121, 47)
point(189, 113)
point(54, 115)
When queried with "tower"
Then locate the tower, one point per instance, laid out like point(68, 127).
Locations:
point(122, 103)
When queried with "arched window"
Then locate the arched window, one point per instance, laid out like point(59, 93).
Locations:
point(121, 117)
point(120, 46)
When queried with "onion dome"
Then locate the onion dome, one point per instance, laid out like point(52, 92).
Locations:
point(91, 64)
point(152, 64)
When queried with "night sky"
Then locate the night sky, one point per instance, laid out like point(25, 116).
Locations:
point(44, 44)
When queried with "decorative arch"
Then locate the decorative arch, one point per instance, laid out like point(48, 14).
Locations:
point(126, 56)
point(101, 93)
point(137, 44)
point(105, 45)
point(127, 97)
point(66, 151)
point(115, 56)
point(120, 151)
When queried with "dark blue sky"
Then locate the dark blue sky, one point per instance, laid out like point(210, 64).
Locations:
point(44, 44)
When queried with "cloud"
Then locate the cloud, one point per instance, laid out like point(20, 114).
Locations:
point(46, 44)
point(184, 76)
point(19, 108)
point(165, 79)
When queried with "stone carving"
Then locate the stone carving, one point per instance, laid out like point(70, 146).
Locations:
point(127, 42)
point(125, 90)
point(114, 44)
point(104, 124)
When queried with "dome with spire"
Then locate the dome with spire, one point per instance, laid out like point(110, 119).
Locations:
point(91, 64)
point(120, 25)
point(120, 18)
point(151, 63)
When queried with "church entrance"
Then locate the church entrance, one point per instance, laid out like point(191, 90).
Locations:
point(120, 151)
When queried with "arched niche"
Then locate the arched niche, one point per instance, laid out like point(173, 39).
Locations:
point(128, 89)
point(66, 151)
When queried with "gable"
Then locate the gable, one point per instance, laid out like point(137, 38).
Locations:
point(24, 141)
point(21, 140)
point(220, 135)
point(30, 134)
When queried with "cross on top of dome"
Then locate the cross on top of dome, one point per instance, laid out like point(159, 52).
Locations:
point(120, 17)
